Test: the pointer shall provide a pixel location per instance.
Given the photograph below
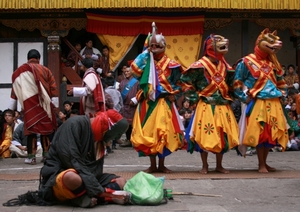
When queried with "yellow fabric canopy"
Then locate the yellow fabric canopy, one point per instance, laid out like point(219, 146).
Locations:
point(105, 4)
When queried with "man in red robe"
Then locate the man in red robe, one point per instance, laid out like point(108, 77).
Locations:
point(34, 86)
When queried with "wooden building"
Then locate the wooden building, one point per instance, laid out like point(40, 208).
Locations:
point(51, 26)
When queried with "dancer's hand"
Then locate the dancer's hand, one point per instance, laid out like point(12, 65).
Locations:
point(248, 99)
point(171, 98)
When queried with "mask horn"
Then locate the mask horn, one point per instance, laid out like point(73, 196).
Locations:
point(153, 37)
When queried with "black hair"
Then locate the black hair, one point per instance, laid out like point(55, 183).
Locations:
point(88, 39)
point(185, 100)
point(189, 111)
point(88, 62)
point(291, 66)
point(110, 81)
point(103, 82)
point(12, 112)
point(75, 111)
point(292, 91)
point(105, 47)
point(33, 53)
point(3, 121)
point(67, 103)
point(76, 43)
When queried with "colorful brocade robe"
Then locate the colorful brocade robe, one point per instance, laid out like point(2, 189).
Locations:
point(156, 124)
point(213, 127)
point(265, 120)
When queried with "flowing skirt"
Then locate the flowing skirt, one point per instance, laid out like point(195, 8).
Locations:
point(157, 129)
point(266, 124)
point(213, 128)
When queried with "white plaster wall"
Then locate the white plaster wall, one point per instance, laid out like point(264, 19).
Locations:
point(6, 56)
point(6, 68)
point(23, 49)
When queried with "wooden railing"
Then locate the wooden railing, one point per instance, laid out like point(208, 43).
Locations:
point(71, 75)
point(78, 55)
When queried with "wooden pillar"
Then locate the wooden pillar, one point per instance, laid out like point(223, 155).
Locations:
point(54, 55)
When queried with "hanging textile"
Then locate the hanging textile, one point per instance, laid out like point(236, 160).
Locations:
point(185, 49)
point(119, 46)
point(182, 30)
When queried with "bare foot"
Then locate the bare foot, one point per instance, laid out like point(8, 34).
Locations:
point(270, 169)
point(222, 170)
point(204, 170)
point(262, 169)
point(164, 169)
point(93, 202)
point(151, 170)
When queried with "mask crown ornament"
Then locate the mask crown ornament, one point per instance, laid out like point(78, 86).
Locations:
point(157, 41)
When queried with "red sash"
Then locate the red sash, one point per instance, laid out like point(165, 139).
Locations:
point(217, 77)
point(262, 70)
point(163, 72)
point(97, 94)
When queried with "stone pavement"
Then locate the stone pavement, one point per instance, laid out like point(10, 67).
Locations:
point(244, 189)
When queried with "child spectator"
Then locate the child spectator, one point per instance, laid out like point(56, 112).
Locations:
point(62, 115)
point(7, 128)
point(186, 112)
point(68, 107)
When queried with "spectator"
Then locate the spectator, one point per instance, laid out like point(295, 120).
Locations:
point(294, 96)
point(104, 63)
point(18, 145)
point(18, 116)
point(128, 88)
point(293, 111)
point(7, 128)
point(62, 115)
point(71, 58)
point(68, 107)
point(186, 112)
point(185, 106)
point(89, 51)
point(283, 69)
point(109, 88)
point(33, 82)
point(108, 85)
point(291, 78)
point(121, 75)
point(91, 92)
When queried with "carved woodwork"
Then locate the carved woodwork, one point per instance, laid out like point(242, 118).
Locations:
point(281, 24)
point(47, 26)
point(216, 23)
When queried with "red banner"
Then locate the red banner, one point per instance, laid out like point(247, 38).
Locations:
point(134, 25)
